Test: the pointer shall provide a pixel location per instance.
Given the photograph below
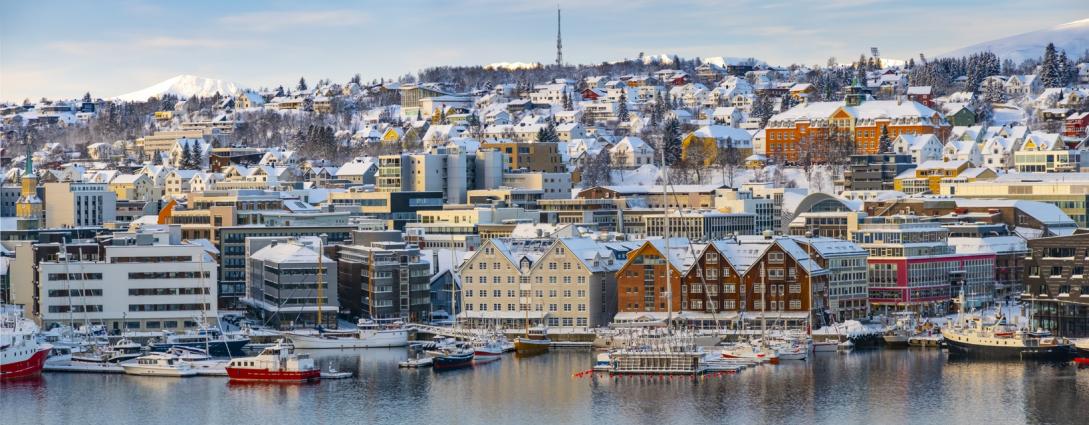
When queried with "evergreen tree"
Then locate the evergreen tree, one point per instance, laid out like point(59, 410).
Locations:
point(884, 144)
point(357, 79)
point(186, 157)
point(1049, 68)
point(196, 156)
point(762, 109)
point(1066, 70)
point(568, 104)
point(302, 84)
point(786, 103)
point(671, 141)
point(87, 97)
point(622, 111)
point(548, 134)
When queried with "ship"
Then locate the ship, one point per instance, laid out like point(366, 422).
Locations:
point(533, 343)
point(901, 331)
point(454, 357)
point(276, 363)
point(159, 364)
point(210, 339)
point(21, 355)
point(976, 340)
point(369, 334)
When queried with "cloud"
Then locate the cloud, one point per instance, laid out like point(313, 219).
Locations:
point(274, 21)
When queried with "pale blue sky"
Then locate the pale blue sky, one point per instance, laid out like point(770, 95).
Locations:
point(63, 48)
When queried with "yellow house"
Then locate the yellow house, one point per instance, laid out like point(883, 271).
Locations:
point(164, 115)
point(131, 187)
point(713, 138)
point(928, 176)
point(393, 135)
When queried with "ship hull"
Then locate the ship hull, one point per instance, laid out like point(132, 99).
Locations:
point(31, 366)
point(531, 347)
point(214, 349)
point(452, 361)
point(265, 375)
point(1059, 353)
point(384, 339)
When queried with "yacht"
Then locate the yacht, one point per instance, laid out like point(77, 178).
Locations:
point(211, 339)
point(454, 357)
point(902, 329)
point(21, 355)
point(159, 364)
point(276, 363)
point(535, 342)
point(368, 334)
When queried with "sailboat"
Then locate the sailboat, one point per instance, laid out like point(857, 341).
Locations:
point(368, 333)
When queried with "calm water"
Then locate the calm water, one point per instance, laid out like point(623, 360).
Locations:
point(880, 386)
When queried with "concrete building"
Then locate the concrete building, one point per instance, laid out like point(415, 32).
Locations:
point(1055, 284)
point(74, 204)
point(282, 280)
point(381, 276)
point(135, 282)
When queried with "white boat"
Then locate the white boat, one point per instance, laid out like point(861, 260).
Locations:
point(159, 364)
point(845, 346)
point(332, 373)
point(825, 346)
point(792, 351)
point(370, 334)
point(189, 354)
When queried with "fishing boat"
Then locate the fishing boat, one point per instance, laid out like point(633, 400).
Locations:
point(487, 347)
point(21, 355)
point(369, 334)
point(791, 351)
point(902, 329)
point(454, 357)
point(533, 343)
point(208, 338)
point(159, 364)
point(333, 373)
point(276, 363)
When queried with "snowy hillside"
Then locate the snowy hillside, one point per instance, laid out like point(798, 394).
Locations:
point(1073, 37)
point(184, 86)
point(512, 66)
point(665, 59)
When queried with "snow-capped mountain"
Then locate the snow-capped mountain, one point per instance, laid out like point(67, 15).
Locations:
point(1073, 37)
point(511, 66)
point(665, 59)
point(184, 87)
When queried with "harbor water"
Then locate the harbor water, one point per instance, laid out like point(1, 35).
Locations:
point(864, 387)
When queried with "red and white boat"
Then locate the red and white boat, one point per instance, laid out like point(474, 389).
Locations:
point(276, 363)
point(21, 355)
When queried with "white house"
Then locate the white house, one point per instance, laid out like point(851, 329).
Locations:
point(998, 152)
point(631, 152)
point(922, 148)
point(965, 150)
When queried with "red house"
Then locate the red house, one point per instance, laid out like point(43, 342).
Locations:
point(1075, 125)
point(591, 94)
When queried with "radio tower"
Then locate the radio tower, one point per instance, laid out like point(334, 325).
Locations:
point(559, 43)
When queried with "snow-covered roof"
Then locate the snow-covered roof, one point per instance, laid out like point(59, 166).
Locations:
point(289, 252)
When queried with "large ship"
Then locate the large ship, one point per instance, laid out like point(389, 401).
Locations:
point(276, 363)
point(21, 355)
point(973, 338)
point(369, 334)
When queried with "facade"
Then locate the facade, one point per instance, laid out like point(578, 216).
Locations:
point(137, 284)
point(1068, 192)
point(530, 156)
point(381, 277)
point(848, 279)
point(79, 204)
point(913, 267)
point(699, 225)
point(1056, 288)
point(233, 255)
point(282, 282)
point(567, 282)
point(876, 172)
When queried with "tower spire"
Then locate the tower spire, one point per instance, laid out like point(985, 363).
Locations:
point(29, 160)
point(559, 42)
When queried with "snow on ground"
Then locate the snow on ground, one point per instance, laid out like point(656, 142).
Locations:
point(649, 175)
point(1006, 114)
point(184, 87)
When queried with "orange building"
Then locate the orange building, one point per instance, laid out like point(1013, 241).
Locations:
point(807, 126)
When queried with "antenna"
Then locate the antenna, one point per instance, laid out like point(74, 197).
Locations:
point(559, 42)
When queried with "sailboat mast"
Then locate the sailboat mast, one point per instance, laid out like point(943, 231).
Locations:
point(321, 283)
point(763, 303)
point(668, 234)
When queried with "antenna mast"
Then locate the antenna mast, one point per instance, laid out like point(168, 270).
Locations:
point(559, 42)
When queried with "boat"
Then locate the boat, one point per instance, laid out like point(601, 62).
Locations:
point(925, 340)
point(369, 334)
point(454, 358)
point(210, 339)
point(21, 355)
point(276, 363)
point(826, 346)
point(332, 373)
point(974, 339)
point(159, 364)
point(533, 343)
point(603, 362)
point(189, 354)
point(659, 355)
point(418, 362)
point(791, 351)
point(1082, 347)
point(845, 347)
point(487, 347)
point(902, 329)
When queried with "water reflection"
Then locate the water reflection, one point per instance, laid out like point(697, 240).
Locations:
point(889, 386)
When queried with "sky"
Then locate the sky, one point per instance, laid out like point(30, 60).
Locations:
point(60, 49)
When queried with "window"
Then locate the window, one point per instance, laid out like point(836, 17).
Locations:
point(795, 304)
point(567, 307)
point(729, 288)
point(775, 257)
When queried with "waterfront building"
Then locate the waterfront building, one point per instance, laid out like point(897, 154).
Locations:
point(1056, 288)
point(282, 282)
point(147, 280)
point(382, 277)
point(75, 204)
